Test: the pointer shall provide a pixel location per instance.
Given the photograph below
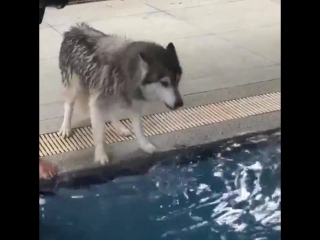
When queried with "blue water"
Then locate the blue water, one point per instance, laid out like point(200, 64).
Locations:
point(235, 194)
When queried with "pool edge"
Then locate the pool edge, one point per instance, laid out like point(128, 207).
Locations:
point(135, 161)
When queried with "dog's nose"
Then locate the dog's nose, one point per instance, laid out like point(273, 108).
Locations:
point(178, 104)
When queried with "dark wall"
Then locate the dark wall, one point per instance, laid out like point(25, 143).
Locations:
point(50, 3)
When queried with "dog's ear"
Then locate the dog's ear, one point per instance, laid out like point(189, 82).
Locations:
point(172, 61)
point(171, 49)
point(143, 62)
point(143, 57)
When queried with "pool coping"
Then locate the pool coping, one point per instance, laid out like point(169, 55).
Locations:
point(134, 161)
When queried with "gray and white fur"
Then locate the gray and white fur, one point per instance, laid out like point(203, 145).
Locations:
point(110, 73)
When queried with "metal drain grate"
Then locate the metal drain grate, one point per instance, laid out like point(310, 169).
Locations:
point(51, 143)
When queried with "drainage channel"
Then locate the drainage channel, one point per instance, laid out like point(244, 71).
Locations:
point(167, 122)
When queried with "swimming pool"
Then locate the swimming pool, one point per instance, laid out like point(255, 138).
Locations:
point(231, 191)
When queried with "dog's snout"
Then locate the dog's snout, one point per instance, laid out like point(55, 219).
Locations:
point(178, 104)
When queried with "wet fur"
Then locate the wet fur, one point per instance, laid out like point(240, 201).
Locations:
point(109, 73)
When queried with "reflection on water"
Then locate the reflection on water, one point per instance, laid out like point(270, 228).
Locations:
point(236, 194)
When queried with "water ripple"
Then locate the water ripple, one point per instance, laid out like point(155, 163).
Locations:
point(235, 194)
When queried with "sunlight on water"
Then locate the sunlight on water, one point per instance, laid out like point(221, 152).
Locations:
point(242, 200)
point(233, 195)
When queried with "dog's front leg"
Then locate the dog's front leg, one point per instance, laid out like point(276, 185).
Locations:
point(98, 129)
point(143, 142)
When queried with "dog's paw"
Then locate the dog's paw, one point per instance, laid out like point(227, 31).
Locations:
point(124, 131)
point(101, 157)
point(148, 147)
point(65, 131)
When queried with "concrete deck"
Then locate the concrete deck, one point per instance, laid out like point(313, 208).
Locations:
point(227, 48)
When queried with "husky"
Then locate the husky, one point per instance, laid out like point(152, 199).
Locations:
point(109, 73)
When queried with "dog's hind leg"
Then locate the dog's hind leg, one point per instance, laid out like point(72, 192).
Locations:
point(70, 97)
point(143, 142)
point(98, 130)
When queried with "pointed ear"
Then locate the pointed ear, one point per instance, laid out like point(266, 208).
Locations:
point(142, 57)
point(171, 48)
point(143, 65)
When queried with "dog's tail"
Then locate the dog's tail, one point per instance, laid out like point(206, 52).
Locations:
point(83, 31)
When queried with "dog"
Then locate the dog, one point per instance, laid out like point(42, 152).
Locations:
point(110, 73)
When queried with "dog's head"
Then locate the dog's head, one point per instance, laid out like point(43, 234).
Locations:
point(162, 74)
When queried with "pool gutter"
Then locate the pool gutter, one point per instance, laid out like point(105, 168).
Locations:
point(79, 169)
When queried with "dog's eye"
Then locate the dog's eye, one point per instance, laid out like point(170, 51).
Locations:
point(165, 83)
